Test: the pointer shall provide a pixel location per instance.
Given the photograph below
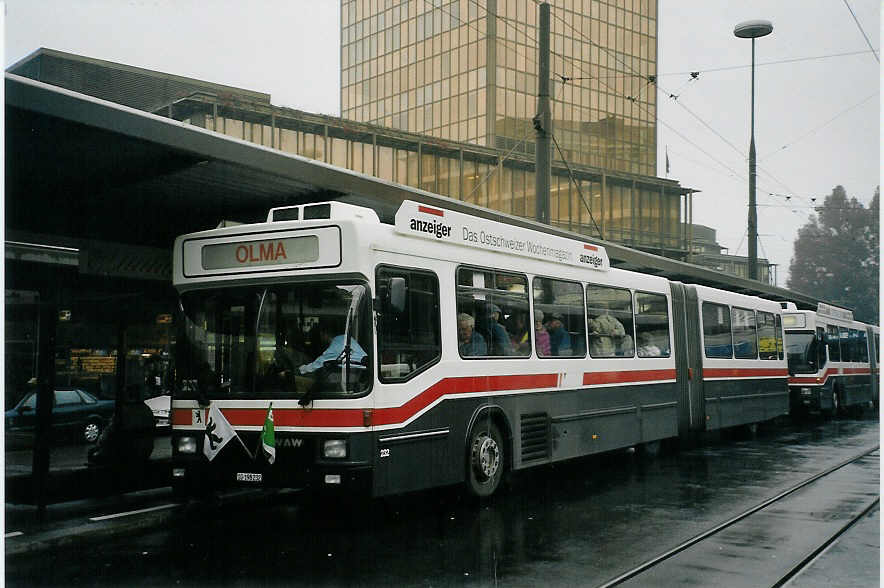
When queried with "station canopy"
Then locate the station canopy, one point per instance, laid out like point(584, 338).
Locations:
point(84, 170)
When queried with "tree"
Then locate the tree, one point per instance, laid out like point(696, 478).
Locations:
point(837, 255)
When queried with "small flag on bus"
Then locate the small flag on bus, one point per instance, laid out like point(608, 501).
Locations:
point(218, 432)
point(268, 439)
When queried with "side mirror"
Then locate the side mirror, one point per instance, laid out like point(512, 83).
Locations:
point(397, 294)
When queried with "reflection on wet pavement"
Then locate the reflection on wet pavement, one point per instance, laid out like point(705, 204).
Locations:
point(576, 524)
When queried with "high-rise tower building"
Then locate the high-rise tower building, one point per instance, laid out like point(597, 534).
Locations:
point(466, 70)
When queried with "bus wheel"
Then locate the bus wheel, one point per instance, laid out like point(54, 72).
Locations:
point(486, 459)
point(836, 403)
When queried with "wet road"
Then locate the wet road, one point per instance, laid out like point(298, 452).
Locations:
point(580, 524)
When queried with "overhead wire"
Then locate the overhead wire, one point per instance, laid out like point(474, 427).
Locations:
point(565, 79)
point(825, 124)
point(860, 27)
point(567, 165)
point(521, 28)
point(761, 169)
point(638, 104)
point(766, 63)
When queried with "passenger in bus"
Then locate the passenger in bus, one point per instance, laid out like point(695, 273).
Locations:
point(469, 342)
point(646, 347)
point(541, 337)
point(625, 346)
point(607, 337)
point(334, 349)
point(520, 335)
point(559, 338)
point(500, 339)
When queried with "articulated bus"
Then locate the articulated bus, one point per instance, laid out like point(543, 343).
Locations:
point(833, 359)
point(443, 349)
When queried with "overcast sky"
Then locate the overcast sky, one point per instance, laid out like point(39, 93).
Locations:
point(817, 120)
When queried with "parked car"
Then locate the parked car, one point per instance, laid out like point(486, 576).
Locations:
point(74, 411)
point(159, 406)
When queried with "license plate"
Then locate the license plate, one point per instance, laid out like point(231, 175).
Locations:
point(248, 477)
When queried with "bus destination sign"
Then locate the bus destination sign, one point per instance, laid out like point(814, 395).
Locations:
point(297, 249)
point(437, 224)
point(261, 253)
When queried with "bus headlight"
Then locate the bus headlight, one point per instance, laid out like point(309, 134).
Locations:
point(187, 445)
point(334, 448)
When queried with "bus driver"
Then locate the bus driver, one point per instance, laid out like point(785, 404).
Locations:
point(334, 349)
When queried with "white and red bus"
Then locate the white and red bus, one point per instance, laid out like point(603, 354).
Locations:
point(444, 349)
point(833, 359)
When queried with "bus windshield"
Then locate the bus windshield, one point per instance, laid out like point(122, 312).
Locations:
point(276, 341)
point(801, 352)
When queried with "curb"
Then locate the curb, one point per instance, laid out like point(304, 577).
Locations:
point(40, 541)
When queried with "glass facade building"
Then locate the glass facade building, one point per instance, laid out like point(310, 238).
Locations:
point(466, 70)
point(640, 211)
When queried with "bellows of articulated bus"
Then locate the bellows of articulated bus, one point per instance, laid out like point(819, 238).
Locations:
point(323, 211)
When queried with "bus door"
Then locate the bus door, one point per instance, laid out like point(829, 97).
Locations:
point(688, 365)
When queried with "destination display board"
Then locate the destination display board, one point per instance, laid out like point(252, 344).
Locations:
point(834, 311)
point(256, 252)
point(260, 253)
point(437, 224)
point(794, 321)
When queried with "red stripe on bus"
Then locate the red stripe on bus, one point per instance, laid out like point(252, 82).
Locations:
point(744, 372)
point(467, 385)
point(283, 417)
point(590, 247)
point(628, 377)
point(830, 372)
point(429, 210)
point(811, 379)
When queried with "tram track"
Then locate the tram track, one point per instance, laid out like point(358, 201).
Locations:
point(808, 561)
point(718, 529)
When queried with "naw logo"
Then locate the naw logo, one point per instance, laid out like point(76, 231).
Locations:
point(290, 442)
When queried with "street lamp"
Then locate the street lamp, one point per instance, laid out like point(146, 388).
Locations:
point(752, 29)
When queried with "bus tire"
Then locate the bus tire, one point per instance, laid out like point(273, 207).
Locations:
point(486, 459)
point(836, 402)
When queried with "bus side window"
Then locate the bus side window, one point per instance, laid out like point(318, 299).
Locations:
point(609, 322)
point(652, 325)
point(853, 345)
point(832, 343)
point(564, 319)
point(767, 341)
point(717, 339)
point(409, 341)
point(779, 335)
point(492, 313)
point(820, 349)
point(745, 342)
point(844, 342)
